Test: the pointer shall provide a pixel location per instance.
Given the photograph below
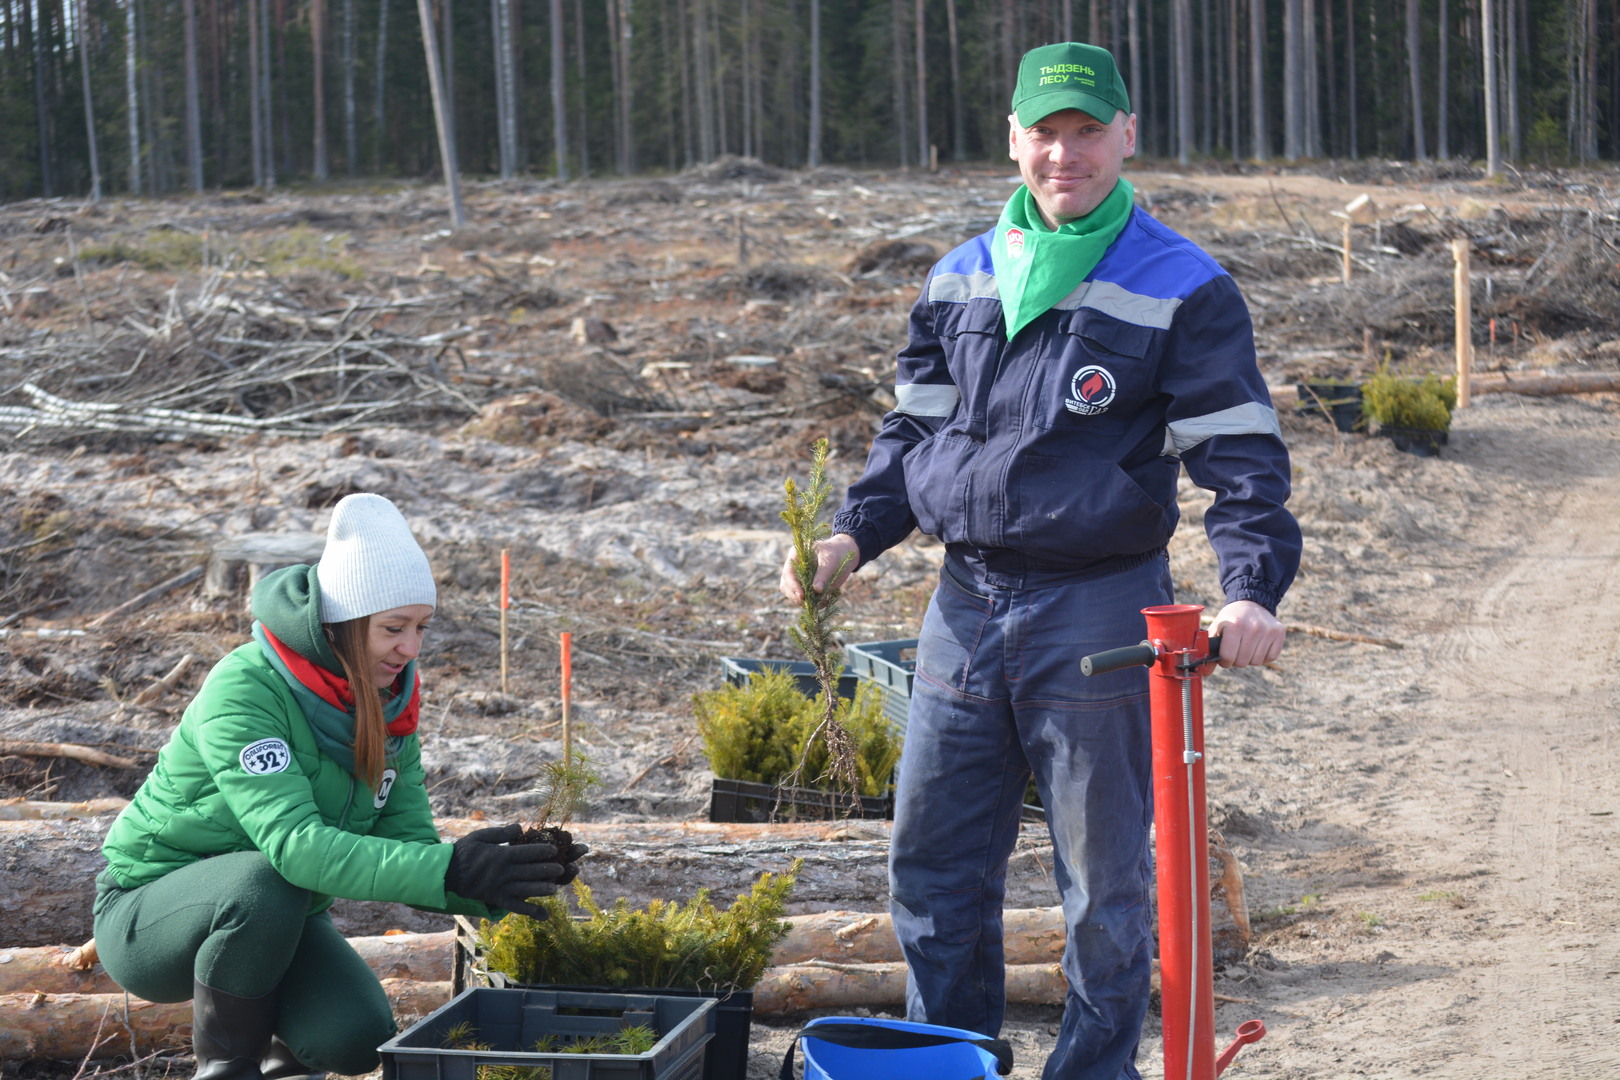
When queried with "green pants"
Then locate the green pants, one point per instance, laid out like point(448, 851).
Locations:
point(234, 924)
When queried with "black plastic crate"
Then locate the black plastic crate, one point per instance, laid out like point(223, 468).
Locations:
point(726, 1057)
point(745, 801)
point(737, 669)
point(891, 665)
point(508, 1021)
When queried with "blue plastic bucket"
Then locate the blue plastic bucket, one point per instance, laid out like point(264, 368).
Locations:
point(825, 1060)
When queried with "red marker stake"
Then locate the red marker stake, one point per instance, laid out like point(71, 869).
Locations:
point(567, 641)
point(506, 600)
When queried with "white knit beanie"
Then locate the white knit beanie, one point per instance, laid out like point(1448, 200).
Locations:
point(371, 562)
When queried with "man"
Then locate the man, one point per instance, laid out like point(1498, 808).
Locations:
point(1060, 370)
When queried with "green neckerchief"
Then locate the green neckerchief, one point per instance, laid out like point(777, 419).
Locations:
point(1040, 267)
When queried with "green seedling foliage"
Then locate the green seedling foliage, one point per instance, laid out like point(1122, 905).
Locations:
point(564, 786)
point(692, 946)
point(1401, 401)
point(815, 629)
point(163, 249)
point(759, 731)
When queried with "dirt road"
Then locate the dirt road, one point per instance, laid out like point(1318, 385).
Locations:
point(1461, 920)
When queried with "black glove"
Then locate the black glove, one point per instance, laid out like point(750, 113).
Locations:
point(484, 867)
point(570, 862)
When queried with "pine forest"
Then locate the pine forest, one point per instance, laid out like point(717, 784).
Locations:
point(154, 96)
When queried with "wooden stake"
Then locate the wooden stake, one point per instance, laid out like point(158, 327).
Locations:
point(1465, 345)
point(506, 600)
point(1347, 251)
point(567, 643)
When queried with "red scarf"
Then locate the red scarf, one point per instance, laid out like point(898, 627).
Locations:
point(336, 691)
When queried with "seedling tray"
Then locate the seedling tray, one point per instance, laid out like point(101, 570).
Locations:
point(726, 1057)
point(737, 669)
point(511, 1022)
point(892, 665)
point(745, 801)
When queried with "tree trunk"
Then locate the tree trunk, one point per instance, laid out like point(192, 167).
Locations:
point(194, 164)
point(1442, 94)
point(42, 109)
point(317, 48)
point(89, 104)
point(1312, 77)
point(419, 957)
point(447, 68)
point(620, 67)
point(1182, 75)
point(923, 147)
point(264, 96)
point(441, 108)
point(1257, 79)
point(1414, 60)
point(509, 70)
point(351, 131)
point(703, 80)
point(582, 101)
point(958, 124)
point(559, 106)
point(132, 101)
point(499, 28)
point(255, 115)
point(1134, 19)
point(378, 129)
point(1350, 73)
point(813, 155)
point(76, 1027)
point(1517, 30)
point(1493, 151)
point(795, 988)
point(902, 113)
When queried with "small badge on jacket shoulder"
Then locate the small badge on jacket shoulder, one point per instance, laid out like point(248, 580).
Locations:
point(266, 756)
point(384, 786)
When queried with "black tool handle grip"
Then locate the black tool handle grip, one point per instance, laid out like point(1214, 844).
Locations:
point(1116, 659)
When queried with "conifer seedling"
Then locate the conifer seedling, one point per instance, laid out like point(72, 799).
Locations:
point(563, 787)
point(815, 629)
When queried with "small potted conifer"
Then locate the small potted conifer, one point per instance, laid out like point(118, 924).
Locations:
point(1414, 413)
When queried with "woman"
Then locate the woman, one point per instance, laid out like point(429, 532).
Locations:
point(295, 777)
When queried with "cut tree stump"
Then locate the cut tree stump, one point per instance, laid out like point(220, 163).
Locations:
point(236, 565)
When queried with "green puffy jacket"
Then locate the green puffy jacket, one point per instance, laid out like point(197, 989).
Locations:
point(223, 784)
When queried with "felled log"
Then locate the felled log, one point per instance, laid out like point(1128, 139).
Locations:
point(406, 957)
point(1537, 384)
point(1030, 936)
point(56, 1027)
point(49, 885)
point(794, 988)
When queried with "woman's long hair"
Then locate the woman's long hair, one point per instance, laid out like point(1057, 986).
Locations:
point(349, 642)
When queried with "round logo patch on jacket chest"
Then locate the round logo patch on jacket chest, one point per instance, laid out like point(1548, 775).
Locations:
point(266, 756)
point(1091, 391)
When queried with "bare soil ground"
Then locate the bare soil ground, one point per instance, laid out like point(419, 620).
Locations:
point(1427, 825)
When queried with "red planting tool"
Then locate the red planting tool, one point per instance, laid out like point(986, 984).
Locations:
point(1179, 655)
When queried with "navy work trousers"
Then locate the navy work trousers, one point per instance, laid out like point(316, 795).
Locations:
point(998, 697)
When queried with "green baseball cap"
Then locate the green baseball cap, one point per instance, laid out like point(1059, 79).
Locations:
point(1069, 75)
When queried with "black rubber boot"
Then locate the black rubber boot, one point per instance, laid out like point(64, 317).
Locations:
point(230, 1034)
point(280, 1063)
